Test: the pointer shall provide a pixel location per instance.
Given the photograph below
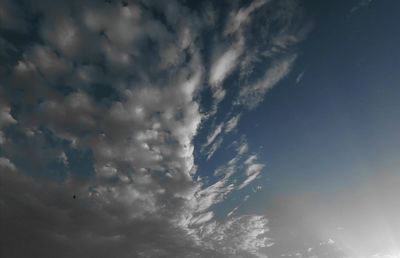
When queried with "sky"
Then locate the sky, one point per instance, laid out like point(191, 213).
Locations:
point(241, 128)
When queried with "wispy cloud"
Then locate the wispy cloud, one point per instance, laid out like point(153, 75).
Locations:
point(238, 19)
point(253, 170)
point(299, 77)
point(232, 123)
point(215, 138)
point(251, 95)
point(225, 64)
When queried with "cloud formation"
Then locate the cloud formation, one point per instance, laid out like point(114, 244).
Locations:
point(100, 104)
point(251, 95)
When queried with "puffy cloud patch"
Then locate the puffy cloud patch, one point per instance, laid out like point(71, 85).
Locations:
point(6, 118)
point(6, 164)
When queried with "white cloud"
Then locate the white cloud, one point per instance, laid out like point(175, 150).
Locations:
point(253, 170)
point(330, 241)
point(257, 188)
point(251, 95)
point(249, 179)
point(214, 147)
point(232, 211)
point(5, 117)
point(232, 123)
point(63, 158)
point(214, 134)
point(243, 148)
point(244, 233)
point(242, 16)
point(215, 138)
point(225, 64)
point(6, 164)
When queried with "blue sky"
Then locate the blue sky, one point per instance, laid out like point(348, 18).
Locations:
point(200, 129)
point(344, 111)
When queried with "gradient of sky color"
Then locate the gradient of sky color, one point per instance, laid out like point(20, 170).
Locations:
point(264, 128)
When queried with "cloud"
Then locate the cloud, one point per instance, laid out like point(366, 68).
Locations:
point(232, 123)
point(224, 64)
point(242, 16)
point(58, 225)
point(214, 147)
point(6, 164)
point(299, 77)
point(253, 170)
point(244, 163)
point(227, 60)
point(232, 211)
point(6, 119)
point(214, 134)
point(242, 51)
point(99, 112)
point(242, 146)
point(238, 236)
point(360, 5)
point(251, 95)
point(215, 138)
